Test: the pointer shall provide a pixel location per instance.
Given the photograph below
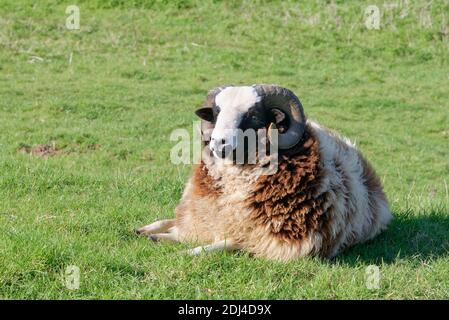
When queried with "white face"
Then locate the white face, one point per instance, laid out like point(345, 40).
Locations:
point(233, 102)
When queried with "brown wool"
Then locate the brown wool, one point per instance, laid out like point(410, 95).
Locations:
point(325, 197)
point(290, 206)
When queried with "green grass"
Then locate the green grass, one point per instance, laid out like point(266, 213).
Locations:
point(138, 71)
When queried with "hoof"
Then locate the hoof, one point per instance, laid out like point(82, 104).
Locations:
point(153, 238)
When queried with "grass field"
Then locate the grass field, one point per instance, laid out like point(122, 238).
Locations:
point(86, 116)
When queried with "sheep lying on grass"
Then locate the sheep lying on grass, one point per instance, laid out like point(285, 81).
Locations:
point(323, 198)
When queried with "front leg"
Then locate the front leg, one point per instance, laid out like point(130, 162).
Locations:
point(227, 245)
point(170, 236)
point(156, 227)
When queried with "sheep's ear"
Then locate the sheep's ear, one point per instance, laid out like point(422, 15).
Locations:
point(279, 116)
point(205, 114)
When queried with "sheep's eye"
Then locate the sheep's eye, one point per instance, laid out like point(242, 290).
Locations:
point(254, 118)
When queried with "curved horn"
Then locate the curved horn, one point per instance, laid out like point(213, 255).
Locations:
point(285, 100)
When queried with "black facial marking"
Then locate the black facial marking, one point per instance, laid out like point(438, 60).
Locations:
point(258, 117)
point(255, 118)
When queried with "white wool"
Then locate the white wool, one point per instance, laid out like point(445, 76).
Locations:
point(233, 102)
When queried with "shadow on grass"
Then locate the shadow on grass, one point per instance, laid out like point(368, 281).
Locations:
point(409, 236)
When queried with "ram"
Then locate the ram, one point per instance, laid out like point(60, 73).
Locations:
point(323, 197)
